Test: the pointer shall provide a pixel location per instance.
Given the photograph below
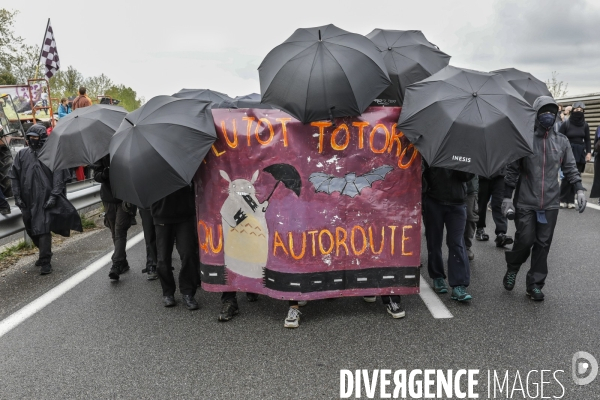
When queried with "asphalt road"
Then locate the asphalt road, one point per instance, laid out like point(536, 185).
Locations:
point(117, 341)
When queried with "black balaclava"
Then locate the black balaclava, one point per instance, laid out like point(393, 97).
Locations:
point(36, 130)
point(578, 117)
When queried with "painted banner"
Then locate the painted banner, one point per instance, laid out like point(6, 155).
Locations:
point(302, 212)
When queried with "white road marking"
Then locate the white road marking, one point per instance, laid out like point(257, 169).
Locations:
point(432, 301)
point(15, 319)
point(594, 206)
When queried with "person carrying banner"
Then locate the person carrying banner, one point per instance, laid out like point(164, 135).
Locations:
point(175, 224)
point(117, 217)
point(41, 196)
point(533, 179)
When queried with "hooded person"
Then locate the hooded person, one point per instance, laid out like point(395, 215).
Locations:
point(117, 217)
point(41, 196)
point(577, 130)
point(537, 198)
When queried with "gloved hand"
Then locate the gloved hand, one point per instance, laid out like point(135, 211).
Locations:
point(581, 201)
point(50, 203)
point(126, 207)
point(19, 202)
point(508, 209)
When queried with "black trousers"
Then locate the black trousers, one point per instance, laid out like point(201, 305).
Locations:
point(119, 222)
point(472, 218)
point(567, 191)
point(44, 244)
point(149, 237)
point(184, 236)
point(227, 297)
point(454, 217)
point(535, 238)
point(495, 188)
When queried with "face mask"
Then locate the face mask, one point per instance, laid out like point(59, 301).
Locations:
point(35, 144)
point(546, 119)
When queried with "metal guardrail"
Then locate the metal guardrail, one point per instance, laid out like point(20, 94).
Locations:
point(81, 194)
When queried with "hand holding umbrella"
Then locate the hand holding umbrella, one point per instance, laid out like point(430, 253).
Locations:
point(288, 175)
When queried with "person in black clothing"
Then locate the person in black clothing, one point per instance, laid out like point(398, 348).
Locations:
point(444, 204)
point(596, 184)
point(175, 224)
point(117, 217)
point(42, 197)
point(494, 187)
point(533, 179)
point(472, 214)
point(150, 239)
point(578, 133)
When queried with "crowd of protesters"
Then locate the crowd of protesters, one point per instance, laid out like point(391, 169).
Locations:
point(527, 191)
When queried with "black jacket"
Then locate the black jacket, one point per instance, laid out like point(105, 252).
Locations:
point(177, 207)
point(446, 186)
point(34, 183)
point(579, 138)
point(102, 175)
point(535, 176)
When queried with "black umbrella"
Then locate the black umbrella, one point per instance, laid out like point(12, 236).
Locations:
point(409, 57)
point(248, 101)
point(202, 94)
point(158, 148)
point(82, 137)
point(287, 174)
point(323, 72)
point(526, 84)
point(467, 120)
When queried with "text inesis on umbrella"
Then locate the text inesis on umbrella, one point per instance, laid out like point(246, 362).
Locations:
point(461, 159)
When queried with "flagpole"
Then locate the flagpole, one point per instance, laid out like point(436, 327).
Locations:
point(37, 68)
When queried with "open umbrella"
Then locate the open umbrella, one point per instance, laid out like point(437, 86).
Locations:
point(467, 120)
point(202, 94)
point(321, 73)
point(82, 137)
point(158, 148)
point(526, 84)
point(251, 100)
point(409, 57)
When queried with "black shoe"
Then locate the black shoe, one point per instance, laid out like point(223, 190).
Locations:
point(39, 263)
point(152, 274)
point(169, 301)
point(46, 269)
point(481, 236)
point(509, 280)
point(251, 297)
point(190, 302)
point(228, 310)
point(503, 239)
point(535, 294)
point(5, 210)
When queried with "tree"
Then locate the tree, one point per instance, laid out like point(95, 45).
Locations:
point(10, 45)
point(66, 83)
point(97, 85)
point(127, 96)
point(6, 78)
point(26, 63)
point(558, 89)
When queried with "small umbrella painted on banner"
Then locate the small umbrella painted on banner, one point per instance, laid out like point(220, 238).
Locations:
point(82, 137)
point(409, 57)
point(322, 73)
point(159, 147)
point(202, 94)
point(287, 174)
point(468, 121)
point(526, 84)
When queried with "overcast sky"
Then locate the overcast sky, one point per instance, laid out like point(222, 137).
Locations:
point(159, 47)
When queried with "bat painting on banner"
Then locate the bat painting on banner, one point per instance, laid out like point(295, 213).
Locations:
point(302, 212)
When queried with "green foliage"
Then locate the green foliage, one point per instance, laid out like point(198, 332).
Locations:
point(10, 45)
point(11, 251)
point(25, 64)
point(126, 95)
point(556, 87)
point(6, 78)
point(87, 223)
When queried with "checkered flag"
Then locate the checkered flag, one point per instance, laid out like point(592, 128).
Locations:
point(49, 55)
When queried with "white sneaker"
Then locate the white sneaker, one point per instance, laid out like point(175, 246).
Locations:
point(395, 310)
point(570, 205)
point(370, 299)
point(293, 318)
point(302, 303)
point(563, 205)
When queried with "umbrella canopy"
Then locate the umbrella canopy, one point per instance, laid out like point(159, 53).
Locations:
point(202, 94)
point(321, 73)
point(467, 120)
point(526, 84)
point(82, 137)
point(251, 100)
point(409, 57)
point(158, 148)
